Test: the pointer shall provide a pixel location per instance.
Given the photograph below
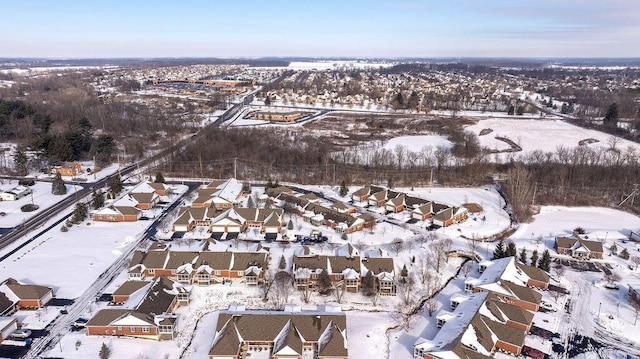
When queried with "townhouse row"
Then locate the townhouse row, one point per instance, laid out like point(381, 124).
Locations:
point(496, 313)
point(439, 214)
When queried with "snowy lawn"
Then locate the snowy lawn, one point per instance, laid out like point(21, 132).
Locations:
point(41, 196)
point(417, 143)
point(527, 134)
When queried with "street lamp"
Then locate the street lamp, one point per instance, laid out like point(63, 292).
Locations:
point(599, 307)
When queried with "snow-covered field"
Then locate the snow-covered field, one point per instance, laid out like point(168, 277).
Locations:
point(544, 135)
point(417, 143)
point(49, 261)
point(41, 196)
point(332, 65)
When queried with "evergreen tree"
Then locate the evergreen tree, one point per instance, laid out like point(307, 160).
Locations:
point(324, 282)
point(520, 111)
point(511, 110)
point(614, 249)
point(98, 199)
point(250, 203)
point(283, 263)
point(267, 100)
point(523, 256)
point(534, 258)
point(404, 273)
point(116, 185)
point(343, 189)
point(105, 352)
point(102, 150)
point(20, 160)
point(545, 261)
point(290, 225)
point(79, 213)
point(269, 183)
point(368, 286)
point(511, 250)
point(611, 118)
point(499, 252)
point(57, 186)
point(159, 178)
point(624, 254)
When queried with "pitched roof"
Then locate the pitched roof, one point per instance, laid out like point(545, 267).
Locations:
point(105, 317)
point(334, 345)
point(311, 262)
point(158, 299)
point(242, 260)
point(130, 287)
point(28, 291)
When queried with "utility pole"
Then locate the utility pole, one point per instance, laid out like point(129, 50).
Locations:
point(235, 167)
point(431, 180)
point(535, 189)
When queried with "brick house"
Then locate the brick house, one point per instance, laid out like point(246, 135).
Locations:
point(280, 335)
point(71, 169)
point(26, 296)
point(117, 214)
point(578, 247)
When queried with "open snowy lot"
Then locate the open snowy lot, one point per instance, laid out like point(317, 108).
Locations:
point(544, 135)
point(42, 197)
point(417, 143)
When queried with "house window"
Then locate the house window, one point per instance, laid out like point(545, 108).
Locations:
point(132, 329)
point(119, 328)
point(151, 271)
point(468, 287)
point(166, 329)
point(441, 322)
point(146, 329)
point(240, 273)
point(216, 272)
point(352, 282)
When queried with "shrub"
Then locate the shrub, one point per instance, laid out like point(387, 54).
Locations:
point(29, 207)
point(64, 229)
point(27, 182)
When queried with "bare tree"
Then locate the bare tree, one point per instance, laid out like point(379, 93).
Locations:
point(431, 304)
point(267, 284)
point(635, 260)
point(635, 304)
point(408, 302)
point(466, 269)
point(558, 270)
point(520, 190)
point(438, 254)
point(397, 245)
point(282, 288)
point(306, 294)
point(360, 246)
point(473, 244)
point(612, 277)
point(421, 239)
point(338, 291)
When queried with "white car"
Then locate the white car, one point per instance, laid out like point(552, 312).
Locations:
point(21, 333)
point(547, 306)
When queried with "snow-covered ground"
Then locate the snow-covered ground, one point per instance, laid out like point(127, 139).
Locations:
point(528, 134)
point(417, 143)
point(42, 197)
point(373, 331)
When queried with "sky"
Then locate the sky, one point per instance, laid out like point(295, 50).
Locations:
point(310, 28)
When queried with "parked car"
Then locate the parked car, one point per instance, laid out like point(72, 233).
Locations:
point(21, 333)
point(612, 286)
point(80, 323)
point(547, 306)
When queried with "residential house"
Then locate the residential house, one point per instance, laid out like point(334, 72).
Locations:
point(152, 318)
point(383, 271)
point(26, 296)
point(480, 325)
point(128, 289)
point(161, 189)
point(450, 215)
point(280, 335)
point(579, 247)
point(202, 268)
point(145, 200)
point(71, 169)
point(221, 195)
point(117, 214)
point(8, 325)
point(363, 194)
point(427, 210)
